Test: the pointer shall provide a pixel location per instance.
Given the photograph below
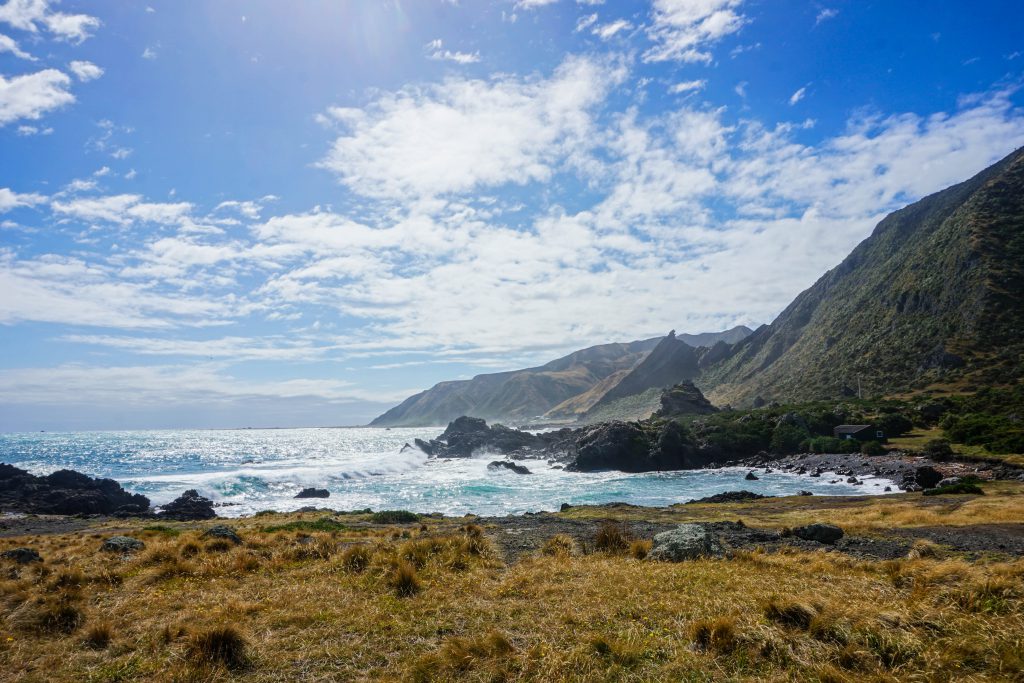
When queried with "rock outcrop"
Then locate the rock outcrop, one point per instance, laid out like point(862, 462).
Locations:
point(822, 533)
point(466, 436)
point(189, 506)
point(686, 542)
point(65, 492)
point(684, 399)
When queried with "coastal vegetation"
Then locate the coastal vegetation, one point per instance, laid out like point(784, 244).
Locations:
point(443, 599)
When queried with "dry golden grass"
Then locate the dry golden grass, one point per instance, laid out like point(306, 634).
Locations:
point(338, 613)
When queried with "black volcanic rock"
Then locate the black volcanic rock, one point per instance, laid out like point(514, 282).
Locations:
point(313, 493)
point(728, 497)
point(65, 492)
point(507, 465)
point(189, 506)
point(468, 435)
point(684, 399)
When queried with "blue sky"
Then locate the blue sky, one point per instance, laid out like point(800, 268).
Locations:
point(285, 214)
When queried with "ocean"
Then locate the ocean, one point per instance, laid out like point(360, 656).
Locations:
point(248, 470)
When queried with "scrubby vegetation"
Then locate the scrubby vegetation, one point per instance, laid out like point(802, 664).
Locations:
point(439, 603)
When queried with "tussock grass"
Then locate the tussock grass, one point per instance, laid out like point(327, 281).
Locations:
point(560, 545)
point(548, 617)
point(404, 580)
point(639, 548)
point(98, 636)
point(612, 538)
point(219, 645)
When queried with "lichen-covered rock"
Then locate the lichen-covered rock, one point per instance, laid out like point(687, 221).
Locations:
point(223, 531)
point(122, 544)
point(822, 533)
point(686, 542)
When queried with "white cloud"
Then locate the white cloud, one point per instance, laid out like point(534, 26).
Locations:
point(826, 14)
point(149, 53)
point(585, 22)
point(32, 95)
point(123, 209)
point(688, 86)
point(85, 71)
point(533, 4)
point(29, 15)
point(607, 31)
point(463, 134)
point(8, 44)
point(797, 96)
point(435, 51)
point(682, 30)
point(25, 131)
point(13, 200)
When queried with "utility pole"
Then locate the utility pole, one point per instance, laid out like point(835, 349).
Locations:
point(860, 394)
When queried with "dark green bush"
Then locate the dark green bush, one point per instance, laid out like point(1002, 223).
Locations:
point(830, 444)
point(872, 448)
point(787, 438)
point(395, 517)
point(938, 449)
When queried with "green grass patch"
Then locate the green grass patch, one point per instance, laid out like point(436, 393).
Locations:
point(163, 530)
point(322, 524)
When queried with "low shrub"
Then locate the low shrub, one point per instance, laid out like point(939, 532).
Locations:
point(938, 450)
point(872, 448)
point(963, 487)
point(394, 517)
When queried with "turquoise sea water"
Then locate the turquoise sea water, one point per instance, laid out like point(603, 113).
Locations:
point(250, 470)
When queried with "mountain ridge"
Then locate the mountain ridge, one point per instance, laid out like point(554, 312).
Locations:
point(515, 395)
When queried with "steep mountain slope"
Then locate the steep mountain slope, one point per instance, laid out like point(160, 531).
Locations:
point(572, 383)
point(935, 294)
point(672, 361)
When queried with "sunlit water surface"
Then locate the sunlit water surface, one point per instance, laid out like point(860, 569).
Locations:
point(250, 470)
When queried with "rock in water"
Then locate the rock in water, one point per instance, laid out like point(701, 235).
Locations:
point(122, 544)
point(189, 506)
point(505, 464)
point(686, 542)
point(223, 531)
point(822, 533)
point(21, 555)
point(65, 492)
point(313, 493)
point(751, 476)
point(464, 436)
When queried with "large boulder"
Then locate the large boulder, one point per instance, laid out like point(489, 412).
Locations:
point(223, 531)
point(21, 555)
point(822, 533)
point(122, 544)
point(924, 477)
point(686, 542)
point(189, 506)
point(65, 492)
point(728, 497)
